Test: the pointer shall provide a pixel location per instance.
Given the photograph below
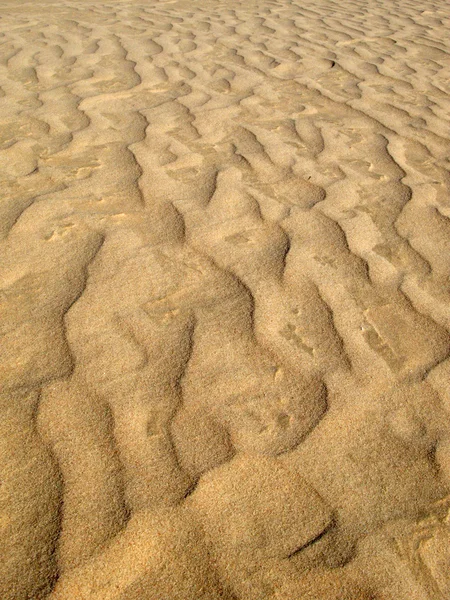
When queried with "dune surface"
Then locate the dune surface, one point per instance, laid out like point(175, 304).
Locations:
point(225, 300)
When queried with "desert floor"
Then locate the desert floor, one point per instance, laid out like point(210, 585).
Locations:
point(225, 300)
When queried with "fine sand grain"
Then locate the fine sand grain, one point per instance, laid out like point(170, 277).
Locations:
point(225, 300)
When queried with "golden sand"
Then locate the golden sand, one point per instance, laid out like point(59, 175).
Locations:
point(224, 300)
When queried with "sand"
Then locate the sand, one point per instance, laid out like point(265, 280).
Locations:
point(224, 300)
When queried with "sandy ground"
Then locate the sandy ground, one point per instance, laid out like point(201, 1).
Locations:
point(224, 300)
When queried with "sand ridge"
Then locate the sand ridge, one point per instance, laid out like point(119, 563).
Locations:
point(224, 300)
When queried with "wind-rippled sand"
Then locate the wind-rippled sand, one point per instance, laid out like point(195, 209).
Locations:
point(224, 300)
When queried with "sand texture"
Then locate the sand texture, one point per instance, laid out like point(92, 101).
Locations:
point(225, 300)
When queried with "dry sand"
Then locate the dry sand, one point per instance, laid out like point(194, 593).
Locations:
point(224, 300)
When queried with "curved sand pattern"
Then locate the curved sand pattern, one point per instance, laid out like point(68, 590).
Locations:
point(224, 300)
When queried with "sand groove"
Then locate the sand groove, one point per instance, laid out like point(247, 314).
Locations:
point(224, 300)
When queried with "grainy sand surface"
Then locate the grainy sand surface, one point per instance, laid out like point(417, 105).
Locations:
point(225, 300)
